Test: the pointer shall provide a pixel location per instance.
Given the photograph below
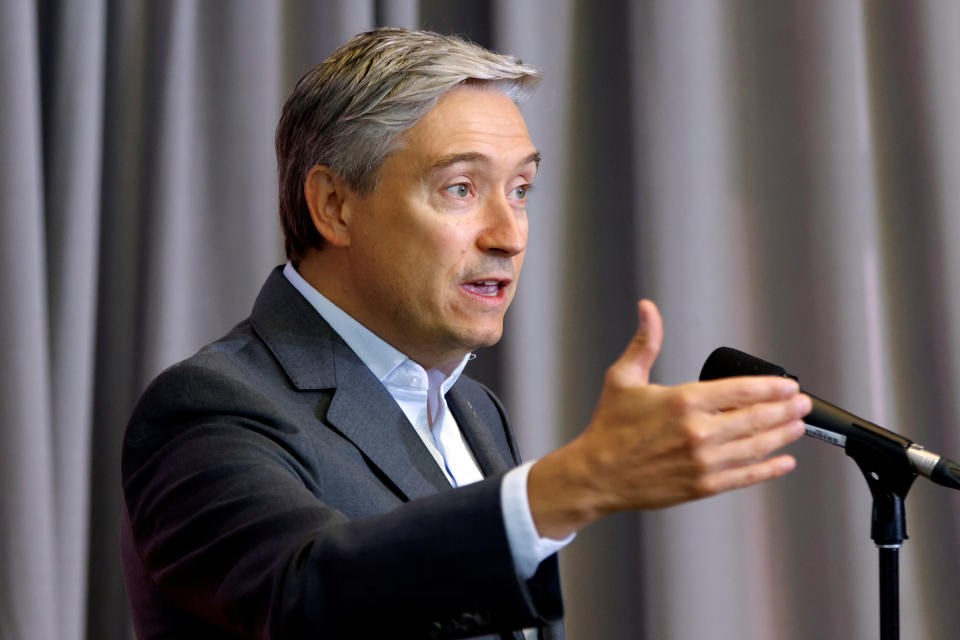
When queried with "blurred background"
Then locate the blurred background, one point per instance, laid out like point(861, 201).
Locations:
point(782, 177)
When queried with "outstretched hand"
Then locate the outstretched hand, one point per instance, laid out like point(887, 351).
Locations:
point(649, 446)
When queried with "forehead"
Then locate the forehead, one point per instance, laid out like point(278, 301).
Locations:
point(471, 120)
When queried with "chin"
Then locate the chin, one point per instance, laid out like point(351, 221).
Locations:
point(467, 339)
point(486, 339)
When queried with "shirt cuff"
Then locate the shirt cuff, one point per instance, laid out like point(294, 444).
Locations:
point(526, 545)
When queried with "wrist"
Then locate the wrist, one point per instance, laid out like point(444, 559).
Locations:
point(560, 490)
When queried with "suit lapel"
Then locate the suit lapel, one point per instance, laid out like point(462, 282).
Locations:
point(490, 455)
point(364, 411)
point(316, 358)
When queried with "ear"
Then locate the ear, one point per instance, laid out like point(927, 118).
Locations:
point(326, 193)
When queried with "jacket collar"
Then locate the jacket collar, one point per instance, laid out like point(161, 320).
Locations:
point(315, 358)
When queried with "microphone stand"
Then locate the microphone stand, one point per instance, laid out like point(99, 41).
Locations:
point(889, 478)
point(888, 461)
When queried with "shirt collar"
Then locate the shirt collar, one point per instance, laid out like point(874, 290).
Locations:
point(379, 356)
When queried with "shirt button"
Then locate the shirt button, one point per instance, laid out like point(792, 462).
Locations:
point(414, 381)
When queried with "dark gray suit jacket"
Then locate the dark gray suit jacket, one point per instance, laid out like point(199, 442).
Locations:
point(274, 489)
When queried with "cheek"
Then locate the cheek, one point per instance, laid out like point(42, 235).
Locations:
point(424, 260)
point(420, 249)
point(445, 248)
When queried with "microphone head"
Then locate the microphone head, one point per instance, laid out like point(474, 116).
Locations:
point(725, 362)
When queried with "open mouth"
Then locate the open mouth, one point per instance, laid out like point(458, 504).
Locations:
point(485, 288)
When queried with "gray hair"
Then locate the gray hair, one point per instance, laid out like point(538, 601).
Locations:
point(350, 111)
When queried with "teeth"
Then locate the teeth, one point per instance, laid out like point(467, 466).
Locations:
point(487, 283)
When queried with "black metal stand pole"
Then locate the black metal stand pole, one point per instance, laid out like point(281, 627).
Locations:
point(889, 592)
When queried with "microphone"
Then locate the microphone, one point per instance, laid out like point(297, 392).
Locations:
point(834, 425)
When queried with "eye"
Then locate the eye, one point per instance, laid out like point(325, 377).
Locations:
point(460, 190)
point(521, 192)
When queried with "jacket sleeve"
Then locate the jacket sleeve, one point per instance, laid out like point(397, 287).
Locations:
point(229, 526)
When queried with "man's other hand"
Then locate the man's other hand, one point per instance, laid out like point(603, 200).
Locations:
point(649, 446)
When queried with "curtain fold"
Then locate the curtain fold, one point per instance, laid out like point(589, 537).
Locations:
point(72, 143)
point(779, 177)
point(28, 486)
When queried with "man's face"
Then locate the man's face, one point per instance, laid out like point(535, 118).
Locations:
point(436, 249)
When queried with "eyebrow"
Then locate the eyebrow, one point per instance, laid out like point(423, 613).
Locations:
point(455, 158)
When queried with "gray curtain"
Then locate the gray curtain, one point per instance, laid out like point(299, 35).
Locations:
point(783, 177)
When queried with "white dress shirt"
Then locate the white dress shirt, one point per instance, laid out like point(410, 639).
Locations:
point(421, 396)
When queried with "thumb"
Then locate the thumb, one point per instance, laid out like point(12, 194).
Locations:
point(644, 347)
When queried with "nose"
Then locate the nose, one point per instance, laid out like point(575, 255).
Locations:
point(504, 230)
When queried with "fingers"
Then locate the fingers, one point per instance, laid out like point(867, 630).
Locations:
point(760, 417)
point(743, 438)
point(748, 434)
point(639, 356)
point(747, 475)
point(746, 451)
point(744, 391)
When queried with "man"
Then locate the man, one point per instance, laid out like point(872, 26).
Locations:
point(325, 470)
